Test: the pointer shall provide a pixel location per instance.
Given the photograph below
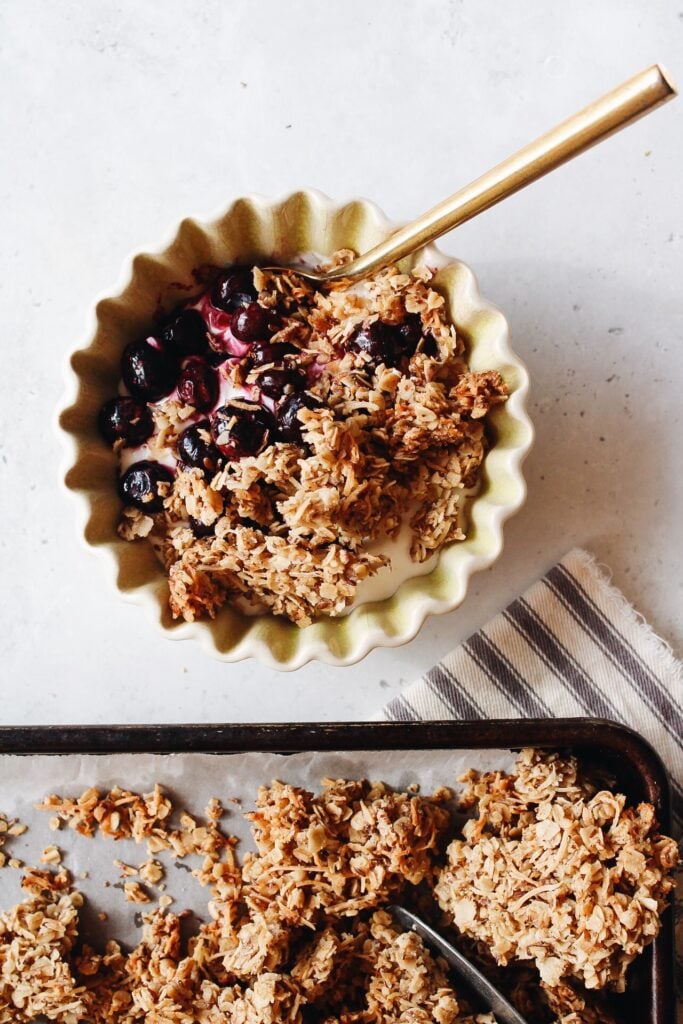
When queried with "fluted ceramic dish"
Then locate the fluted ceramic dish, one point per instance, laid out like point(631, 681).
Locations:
point(252, 229)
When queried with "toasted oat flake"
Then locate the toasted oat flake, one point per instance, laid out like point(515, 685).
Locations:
point(151, 871)
point(50, 855)
point(135, 893)
point(127, 870)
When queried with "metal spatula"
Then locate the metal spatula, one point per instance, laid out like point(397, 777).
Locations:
point(494, 1000)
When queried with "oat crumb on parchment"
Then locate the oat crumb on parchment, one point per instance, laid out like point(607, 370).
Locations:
point(135, 893)
point(10, 828)
point(151, 871)
point(125, 870)
point(51, 855)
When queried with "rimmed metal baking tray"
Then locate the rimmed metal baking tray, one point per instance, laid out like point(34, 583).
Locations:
point(637, 768)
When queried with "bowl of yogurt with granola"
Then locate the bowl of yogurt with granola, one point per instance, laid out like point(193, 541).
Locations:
point(285, 469)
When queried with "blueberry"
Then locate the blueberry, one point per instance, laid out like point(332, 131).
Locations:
point(288, 423)
point(124, 419)
point(241, 428)
point(429, 346)
point(262, 352)
point(198, 384)
point(232, 289)
point(200, 529)
point(409, 333)
point(195, 448)
point(249, 323)
point(279, 382)
point(378, 341)
point(148, 372)
point(186, 334)
point(139, 485)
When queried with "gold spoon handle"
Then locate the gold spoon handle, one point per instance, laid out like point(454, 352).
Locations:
point(596, 122)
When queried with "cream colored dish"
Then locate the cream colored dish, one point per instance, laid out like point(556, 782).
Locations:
point(251, 229)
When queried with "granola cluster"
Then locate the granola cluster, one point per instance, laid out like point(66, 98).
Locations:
point(377, 441)
point(556, 880)
point(297, 931)
point(554, 872)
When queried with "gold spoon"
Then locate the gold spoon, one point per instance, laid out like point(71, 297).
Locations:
point(618, 108)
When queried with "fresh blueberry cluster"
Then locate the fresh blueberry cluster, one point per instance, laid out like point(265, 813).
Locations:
point(183, 356)
point(387, 343)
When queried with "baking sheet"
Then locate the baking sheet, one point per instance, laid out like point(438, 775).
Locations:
point(191, 780)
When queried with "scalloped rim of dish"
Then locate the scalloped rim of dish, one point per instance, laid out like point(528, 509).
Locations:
point(387, 623)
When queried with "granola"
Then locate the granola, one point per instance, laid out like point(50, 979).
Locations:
point(555, 878)
point(273, 431)
point(554, 871)
point(299, 928)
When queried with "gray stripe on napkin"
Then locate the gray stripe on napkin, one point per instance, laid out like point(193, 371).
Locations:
point(570, 646)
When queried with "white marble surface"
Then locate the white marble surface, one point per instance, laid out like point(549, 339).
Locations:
point(118, 119)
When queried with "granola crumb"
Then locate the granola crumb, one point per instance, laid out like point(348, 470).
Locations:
point(151, 871)
point(126, 870)
point(51, 855)
point(135, 893)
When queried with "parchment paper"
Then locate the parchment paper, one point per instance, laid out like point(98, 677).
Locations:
point(190, 780)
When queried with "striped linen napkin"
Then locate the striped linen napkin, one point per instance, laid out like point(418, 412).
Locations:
point(570, 646)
